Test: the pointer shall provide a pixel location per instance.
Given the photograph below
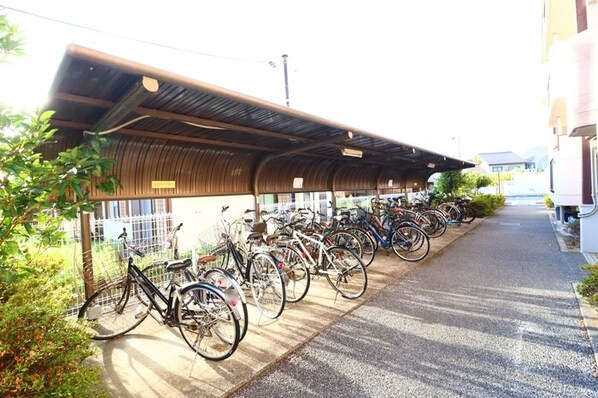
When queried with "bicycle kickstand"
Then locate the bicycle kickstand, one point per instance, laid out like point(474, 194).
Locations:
point(195, 355)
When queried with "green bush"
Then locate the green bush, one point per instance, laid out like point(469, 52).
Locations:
point(548, 202)
point(41, 350)
point(573, 226)
point(486, 205)
point(589, 284)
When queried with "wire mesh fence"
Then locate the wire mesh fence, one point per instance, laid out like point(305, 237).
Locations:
point(106, 262)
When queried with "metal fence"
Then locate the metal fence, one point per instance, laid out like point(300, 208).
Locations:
point(106, 261)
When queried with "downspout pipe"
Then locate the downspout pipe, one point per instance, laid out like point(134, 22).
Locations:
point(594, 177)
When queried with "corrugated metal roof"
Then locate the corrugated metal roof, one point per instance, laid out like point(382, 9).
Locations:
point(212, 140)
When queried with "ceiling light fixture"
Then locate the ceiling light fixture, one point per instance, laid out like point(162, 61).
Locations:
point(354, 153)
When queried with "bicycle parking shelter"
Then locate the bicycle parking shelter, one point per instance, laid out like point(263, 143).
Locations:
point(173, 136)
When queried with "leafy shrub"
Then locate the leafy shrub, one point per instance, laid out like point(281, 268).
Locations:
point(588, 286)
point(486, 205)
point(548, 202)
point(573, 226)
point(42, 351)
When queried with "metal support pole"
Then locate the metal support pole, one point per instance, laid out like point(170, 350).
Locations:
point(286, 78)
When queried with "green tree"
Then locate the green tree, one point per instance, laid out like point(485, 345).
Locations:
point(41, 351)
point(482, 181)
point(37, 194)
point(10, 41)
point(449, 183)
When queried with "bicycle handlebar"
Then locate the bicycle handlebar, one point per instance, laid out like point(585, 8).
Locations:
point(127, 245)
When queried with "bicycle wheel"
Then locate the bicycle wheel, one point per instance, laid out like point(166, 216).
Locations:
point(346, 239)
point(433, 224)
point(410, 243)
point(267, 285)
point(207, 323)
point(451, 212)
point(232, 292)
point(115, 309)
point(345, 272)
point(368, 246)
point(294, 271)
point(468, 214)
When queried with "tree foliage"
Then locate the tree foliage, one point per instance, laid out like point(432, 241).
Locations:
point(11, 42)
point(456, 183)
point(450, 183)
point(41, 351)
point(37, 194)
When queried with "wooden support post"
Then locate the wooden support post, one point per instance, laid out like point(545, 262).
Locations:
point(86, 254)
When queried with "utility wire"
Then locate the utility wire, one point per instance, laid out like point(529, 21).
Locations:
point(153, 43)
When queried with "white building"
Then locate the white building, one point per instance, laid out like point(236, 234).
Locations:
point(570, 52)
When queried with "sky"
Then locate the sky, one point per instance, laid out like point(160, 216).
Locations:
point(456, 77)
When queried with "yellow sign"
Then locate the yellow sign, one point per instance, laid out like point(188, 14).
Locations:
point(163, 184)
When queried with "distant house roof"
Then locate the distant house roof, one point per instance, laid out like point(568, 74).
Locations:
point(494, 158)
point(536, 154)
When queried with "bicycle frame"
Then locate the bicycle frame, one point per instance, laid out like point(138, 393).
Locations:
point(297, 238)
point(384, 241)
point(151, 291)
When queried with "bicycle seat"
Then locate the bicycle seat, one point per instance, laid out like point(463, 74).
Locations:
point(177, 265)
point(207, 258)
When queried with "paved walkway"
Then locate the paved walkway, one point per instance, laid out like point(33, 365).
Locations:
point(494, 315)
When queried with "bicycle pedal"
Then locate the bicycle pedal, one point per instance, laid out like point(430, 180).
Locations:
point(141, 312)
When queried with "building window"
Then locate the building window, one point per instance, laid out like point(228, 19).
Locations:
point(582, 15)
point(496, 169)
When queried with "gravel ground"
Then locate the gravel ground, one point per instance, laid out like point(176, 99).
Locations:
point(494, 315)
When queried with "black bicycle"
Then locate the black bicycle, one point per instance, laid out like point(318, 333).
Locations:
point(257, 270)
point(207, 322)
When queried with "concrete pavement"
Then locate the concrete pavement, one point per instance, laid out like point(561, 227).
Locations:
point(494, 315)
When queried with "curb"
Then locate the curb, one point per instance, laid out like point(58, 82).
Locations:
point(588, 313)
point(589, 317)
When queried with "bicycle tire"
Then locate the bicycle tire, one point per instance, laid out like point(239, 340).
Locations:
point(433, 223)
point(233, 294)
point(410, 243)
point(346, 239)
point(469, 214)
point(267, 285)
point(368, 244)
point(295, 273)
point(114, 310)
point(346, 274)
point(207, 323)
point(451, 212)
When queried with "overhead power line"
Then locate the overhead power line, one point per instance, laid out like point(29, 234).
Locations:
point(120, 36)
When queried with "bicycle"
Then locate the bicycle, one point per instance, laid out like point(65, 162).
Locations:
point(408, 241)
point(206, 321)
point(345, 220)
point(468, 213)
point(162, 277)
point(343, 269)
point(258, 270)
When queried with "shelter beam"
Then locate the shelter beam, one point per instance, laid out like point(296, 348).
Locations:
point(135, 96)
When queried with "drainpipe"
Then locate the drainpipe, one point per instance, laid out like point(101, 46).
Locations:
point(594, 177)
